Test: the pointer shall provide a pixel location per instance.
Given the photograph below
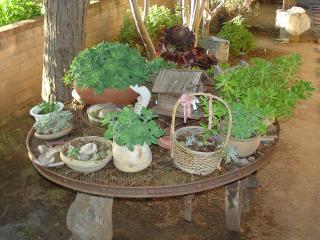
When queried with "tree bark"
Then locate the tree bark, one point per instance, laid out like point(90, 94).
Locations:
point(287, 4)
point(142, 30)
point(64, 32)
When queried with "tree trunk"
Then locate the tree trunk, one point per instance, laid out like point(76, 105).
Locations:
point(142, 30)
point(64, 32)
point(287, 4)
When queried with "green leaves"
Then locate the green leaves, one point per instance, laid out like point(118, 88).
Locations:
point(127, 128)
point(12, 11)
point(241, 40)
point(266, 85)
point(108, 65)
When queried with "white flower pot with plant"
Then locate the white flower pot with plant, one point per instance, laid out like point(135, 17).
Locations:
point(132, 134)
point(45, 108)
point(54, 125)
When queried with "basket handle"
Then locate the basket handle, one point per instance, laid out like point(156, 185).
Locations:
point(211, 96)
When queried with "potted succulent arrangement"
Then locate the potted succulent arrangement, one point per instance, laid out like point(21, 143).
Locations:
point(45, 108)
point(105, 72)
point(54, 125)
point(86, 154)
point(132, 134)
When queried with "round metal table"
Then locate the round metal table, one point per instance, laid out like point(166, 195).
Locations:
point(161, 179)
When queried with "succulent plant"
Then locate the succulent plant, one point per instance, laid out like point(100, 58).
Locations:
point(176, 45)
point(47, 107)
point(54, 122)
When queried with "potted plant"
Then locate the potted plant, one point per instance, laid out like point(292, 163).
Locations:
point(86, 154)
point(132, 134)
point(45, 108)
point(247, 129)
point(270, 86)
point(105, 72)
point(54, 125)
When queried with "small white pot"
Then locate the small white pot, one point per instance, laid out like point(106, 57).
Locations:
point(245, 147)
point(135, 161)
point(35, 111)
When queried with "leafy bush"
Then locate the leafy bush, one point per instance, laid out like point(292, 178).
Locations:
point(128, 128)
point(241, 40)
point(110, 65)
point(159, 17)
point(270, 86)
point(12, 11)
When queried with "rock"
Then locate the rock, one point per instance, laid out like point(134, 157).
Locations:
point(251, 158)
point(295, 21)
point(243, 63)
point(43, 149)
point(216, 46)
point(242, 162)
point(102, 113)
point(87, 151)
point(90, 218)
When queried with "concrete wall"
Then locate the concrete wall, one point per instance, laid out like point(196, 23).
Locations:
point(21, 50)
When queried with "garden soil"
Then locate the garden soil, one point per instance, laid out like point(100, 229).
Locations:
point(286, 205)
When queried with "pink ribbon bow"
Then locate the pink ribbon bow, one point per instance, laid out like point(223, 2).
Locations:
point(186, 103)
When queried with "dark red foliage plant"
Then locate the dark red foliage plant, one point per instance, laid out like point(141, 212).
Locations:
point(177, 45)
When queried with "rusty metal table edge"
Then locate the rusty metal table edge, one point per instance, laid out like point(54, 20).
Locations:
point(152, 192)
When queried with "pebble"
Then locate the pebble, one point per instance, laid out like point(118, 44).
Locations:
point(242, 161)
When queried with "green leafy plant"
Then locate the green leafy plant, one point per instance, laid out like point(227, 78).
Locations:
point(270, 86)
point(127, 128)
point(73, 152)
point(12, 11)
point(47, 107)
point(54, 122)
point(159, 17)
point(109, 65)
point(241, 40)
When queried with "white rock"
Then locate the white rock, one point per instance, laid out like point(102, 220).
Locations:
point(89, 149)
point(294, 20)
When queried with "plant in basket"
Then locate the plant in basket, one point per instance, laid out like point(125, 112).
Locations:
point(198, 149)
point(54, 125)
point(105, 72)
point(132, 134)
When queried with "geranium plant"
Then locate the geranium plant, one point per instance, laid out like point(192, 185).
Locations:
point(128, 128)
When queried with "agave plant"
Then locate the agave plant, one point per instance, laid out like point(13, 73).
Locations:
point(177, 45)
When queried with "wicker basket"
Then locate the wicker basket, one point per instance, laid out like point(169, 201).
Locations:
point(195, 162)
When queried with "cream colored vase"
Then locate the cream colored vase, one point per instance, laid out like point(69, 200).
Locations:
point(135, 161)
point(245, 147)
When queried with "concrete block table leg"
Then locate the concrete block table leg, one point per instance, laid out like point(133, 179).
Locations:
point(90, 218)
point(188, 207)
point(233, 209)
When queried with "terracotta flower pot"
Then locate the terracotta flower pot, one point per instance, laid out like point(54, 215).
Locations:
point(245, 147)
point(109, 95)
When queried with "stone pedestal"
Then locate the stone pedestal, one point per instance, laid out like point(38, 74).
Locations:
point(90, 218)
point(292, 23)
point(217, 46)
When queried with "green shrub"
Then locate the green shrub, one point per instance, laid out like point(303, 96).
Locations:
point(270, 86)
point(12, 11)
point(159, 17)
point(241, 40)
point(111, 65)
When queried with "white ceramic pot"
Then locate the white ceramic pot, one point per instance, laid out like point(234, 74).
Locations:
point(135, 161)
point(245, 147)
point(35, 111)
point(56, 135)
point(91, 165)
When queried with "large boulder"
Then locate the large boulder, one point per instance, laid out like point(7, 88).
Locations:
point(295, 20)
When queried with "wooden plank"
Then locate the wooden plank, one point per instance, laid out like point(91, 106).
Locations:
point(188, 207)
point(232, 206)
point(177, 81)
